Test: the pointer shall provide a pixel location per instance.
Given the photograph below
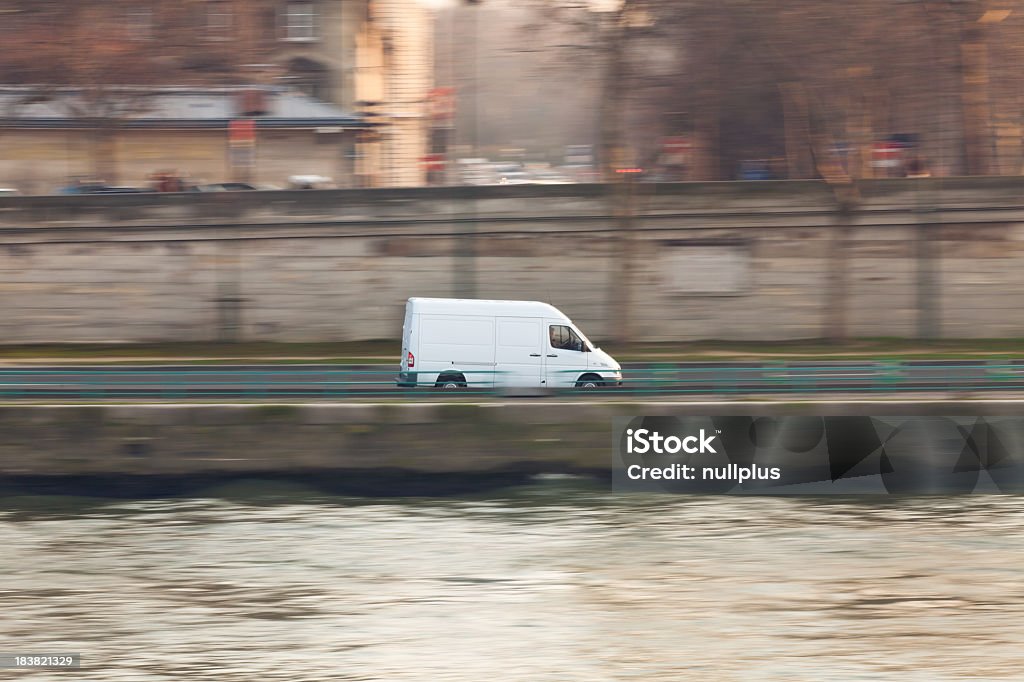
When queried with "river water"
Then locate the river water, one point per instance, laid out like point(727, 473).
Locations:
point(560, 580)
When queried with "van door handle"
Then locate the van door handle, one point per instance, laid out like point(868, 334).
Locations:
point(552, 355)
point(534, 355)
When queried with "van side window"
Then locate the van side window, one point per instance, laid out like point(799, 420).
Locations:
point(564, 338)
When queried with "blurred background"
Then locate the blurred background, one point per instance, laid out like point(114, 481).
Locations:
point(873, 153)
point(401, 93)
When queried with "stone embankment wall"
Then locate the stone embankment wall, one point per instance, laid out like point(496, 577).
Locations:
point(357, 439)
point(741, 261)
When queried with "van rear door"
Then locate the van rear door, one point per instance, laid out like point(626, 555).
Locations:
point(406, 336)
point(407, 363)
point(519, 357)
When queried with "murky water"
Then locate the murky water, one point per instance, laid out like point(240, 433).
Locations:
point(557, 581)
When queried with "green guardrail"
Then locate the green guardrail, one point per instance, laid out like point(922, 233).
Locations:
point(776, 377)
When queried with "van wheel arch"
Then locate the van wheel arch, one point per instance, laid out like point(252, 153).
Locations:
point(590, 381)
point(450, 381)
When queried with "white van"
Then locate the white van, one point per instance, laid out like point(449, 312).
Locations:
point(456, 343)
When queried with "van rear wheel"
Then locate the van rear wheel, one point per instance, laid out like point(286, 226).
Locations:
point(450, 382)
point(589, 382)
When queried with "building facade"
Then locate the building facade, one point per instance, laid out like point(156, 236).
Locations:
point(364, 68)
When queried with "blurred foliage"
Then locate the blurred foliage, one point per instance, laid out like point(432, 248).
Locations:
point(797, 79)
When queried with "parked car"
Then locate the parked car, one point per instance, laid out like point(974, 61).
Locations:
point(547, 177)
point(169, 181)
point(516, 178)
point(457, 343)
point(91, 187)
point(120, 189)
point(310, 182)
point(581, 173)
point(224, 187)
point(506, 173)
point(756, 169)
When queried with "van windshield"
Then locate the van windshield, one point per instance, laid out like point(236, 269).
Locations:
point(587, 344)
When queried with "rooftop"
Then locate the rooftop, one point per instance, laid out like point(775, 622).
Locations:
point(167, 107)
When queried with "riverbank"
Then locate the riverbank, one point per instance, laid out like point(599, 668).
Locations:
point(362, 448)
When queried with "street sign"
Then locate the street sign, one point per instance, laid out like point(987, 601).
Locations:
point(675, 150)
point(242, 130)
point(434, 162)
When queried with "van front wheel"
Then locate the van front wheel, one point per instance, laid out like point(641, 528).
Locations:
point(450, 382)
point(589, 382)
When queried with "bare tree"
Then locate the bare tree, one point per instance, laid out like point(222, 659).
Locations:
point(813, 84)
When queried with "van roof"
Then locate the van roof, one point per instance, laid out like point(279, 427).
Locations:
point(472, 306)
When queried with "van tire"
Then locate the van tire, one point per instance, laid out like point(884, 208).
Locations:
point(450, 382)
point(589, 382)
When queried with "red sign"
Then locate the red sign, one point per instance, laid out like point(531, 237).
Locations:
point(434, 162)
point(242, 130)
point(676, 145)
point(675, 150)
point(886, 154)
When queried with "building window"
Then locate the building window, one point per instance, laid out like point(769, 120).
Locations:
point(300, 20)
point(218, 19)
point(309, 77)
point(138, 23)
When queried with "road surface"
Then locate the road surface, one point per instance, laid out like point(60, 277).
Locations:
point(334, 381)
